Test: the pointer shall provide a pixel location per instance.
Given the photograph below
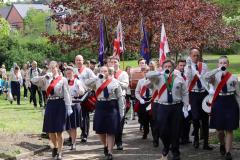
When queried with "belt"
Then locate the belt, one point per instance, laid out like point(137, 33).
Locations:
point(54, 98)
point(226, 94)
point(173, 103)
point(106, 99)
point(198, 91)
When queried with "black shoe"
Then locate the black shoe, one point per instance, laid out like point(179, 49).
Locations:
point(109, 156)
point(105, 150)
point(70, 140)
point(155, 144)
point(44, 135)
point(228, 156)
point(54, 152)
point(165, 152)
point(222, 150)
point(207, 147)
point(196, 144)
point(120, 147)
point(144, 136)
point(84, 140)
point(185, 141)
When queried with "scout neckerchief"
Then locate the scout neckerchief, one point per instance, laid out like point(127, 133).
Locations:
point(168, 85)
point(71, 81)
point(195, 78)
point(53, 84)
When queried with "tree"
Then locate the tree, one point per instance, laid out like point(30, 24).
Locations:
point(188, 23)
point(231, 11)
point(4, 27)
point(35, 22)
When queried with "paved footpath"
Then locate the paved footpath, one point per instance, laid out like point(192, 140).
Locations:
point(134, 149)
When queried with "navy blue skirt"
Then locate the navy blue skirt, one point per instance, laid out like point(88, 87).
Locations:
point(74, 120)
point(225, 113)
point(55, 116)
point(107, 117)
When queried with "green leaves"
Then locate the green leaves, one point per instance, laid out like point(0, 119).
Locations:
point(4, 27)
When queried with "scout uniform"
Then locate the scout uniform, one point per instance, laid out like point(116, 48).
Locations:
point(109, 107)
point(186, 123)
point(76, 90)
point(225, 108)
point(58, 103)
point(142, 92)
point(172, 93)
point(196, 95)
point(84, 74)
point(123, 79)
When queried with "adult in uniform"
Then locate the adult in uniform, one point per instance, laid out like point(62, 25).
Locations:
point(76, 90)
point(58, 107)
point(172, 93)
point(143, 94)
point(225, 107)
point(123, 79)
point(185, 129)
point(84, 74)
point(34, 71)
point(109, 108)
point(195, 69)
point(15, 79)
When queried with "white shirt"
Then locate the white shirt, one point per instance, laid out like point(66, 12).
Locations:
point(114, 91)
point(179, 89)
point(123, 81)
point(76, 89)
point(215, 76)
point(85, 75)
point(142, 82)
point(61, 89)
point(191, 71)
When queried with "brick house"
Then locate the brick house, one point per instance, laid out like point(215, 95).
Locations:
point(17, 12)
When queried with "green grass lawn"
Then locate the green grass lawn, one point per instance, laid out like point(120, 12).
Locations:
point(23, 118)
point(234, 62)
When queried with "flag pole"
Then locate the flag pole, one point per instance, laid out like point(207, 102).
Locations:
point(123, 61)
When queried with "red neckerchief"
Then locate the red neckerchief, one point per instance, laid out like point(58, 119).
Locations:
point(71, 81)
